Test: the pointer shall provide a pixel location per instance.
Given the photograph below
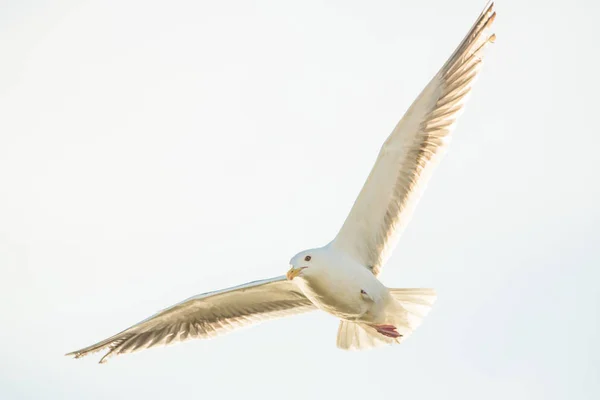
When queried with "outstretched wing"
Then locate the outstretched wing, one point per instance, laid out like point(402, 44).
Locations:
point(386, 201)
point(207, 315)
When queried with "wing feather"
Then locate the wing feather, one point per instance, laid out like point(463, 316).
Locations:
point(407, 158)
point(207, 315)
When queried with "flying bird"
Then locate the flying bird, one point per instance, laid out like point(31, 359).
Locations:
point(341, 277)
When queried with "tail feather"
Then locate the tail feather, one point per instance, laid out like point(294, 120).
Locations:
point(414, 304)
point(356, 336)
point(416, 301)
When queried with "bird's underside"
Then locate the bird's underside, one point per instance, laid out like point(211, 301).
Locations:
point(368, 235)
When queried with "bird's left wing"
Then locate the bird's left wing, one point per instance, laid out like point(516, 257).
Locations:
point(207, 315)
point(408, 156)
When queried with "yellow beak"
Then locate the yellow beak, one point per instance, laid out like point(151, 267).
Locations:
point(294, 272)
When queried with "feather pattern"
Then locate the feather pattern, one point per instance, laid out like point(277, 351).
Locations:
point(407, 158)
point(207, 315)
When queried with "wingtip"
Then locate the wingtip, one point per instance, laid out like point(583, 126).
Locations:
point(75, 355)
point(488, 13)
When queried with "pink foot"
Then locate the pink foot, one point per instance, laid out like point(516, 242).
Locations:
point(387, 330)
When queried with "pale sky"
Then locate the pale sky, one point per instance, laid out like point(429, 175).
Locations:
point(150, 151)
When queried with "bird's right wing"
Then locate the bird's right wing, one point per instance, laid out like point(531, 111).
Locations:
point(207, 315)
point(407, 158)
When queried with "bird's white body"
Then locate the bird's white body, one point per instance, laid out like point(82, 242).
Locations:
point(336, 283)
point(340, 285)
point(341, 278)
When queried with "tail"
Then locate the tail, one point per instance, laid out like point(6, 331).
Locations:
point(414, 304)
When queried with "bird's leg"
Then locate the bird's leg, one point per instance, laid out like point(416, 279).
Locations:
point(387, 330)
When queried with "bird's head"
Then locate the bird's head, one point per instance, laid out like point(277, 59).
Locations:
point(303, 261)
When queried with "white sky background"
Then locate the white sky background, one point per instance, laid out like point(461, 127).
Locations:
point(150, 151)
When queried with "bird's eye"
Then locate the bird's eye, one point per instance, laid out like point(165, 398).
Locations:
point(307, 258)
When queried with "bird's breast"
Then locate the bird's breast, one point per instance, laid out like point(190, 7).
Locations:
point(338, 291)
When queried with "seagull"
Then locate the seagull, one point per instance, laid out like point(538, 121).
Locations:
point(341, 278)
